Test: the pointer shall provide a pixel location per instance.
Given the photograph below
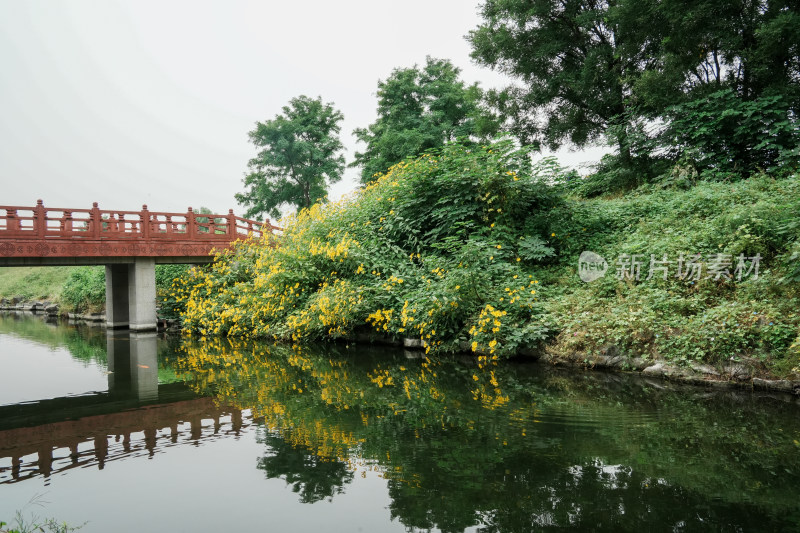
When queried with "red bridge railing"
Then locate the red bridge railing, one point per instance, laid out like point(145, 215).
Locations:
point(59, 235)
point(58, 223)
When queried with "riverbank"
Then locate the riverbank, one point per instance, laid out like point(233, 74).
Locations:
point(51, 311)
point(741, 375)
point(34, 283)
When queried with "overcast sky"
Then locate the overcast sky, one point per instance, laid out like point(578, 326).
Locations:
point(127, 102)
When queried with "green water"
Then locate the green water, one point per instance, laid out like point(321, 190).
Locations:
point(252, 437)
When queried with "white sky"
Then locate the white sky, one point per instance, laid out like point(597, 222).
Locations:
point(126, 102)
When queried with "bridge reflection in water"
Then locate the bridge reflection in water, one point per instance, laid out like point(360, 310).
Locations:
point(135, 417)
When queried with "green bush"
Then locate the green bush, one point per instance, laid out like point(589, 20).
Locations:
point(165, 277)
point(85, 289)
point(475, 247)
point(440, 248)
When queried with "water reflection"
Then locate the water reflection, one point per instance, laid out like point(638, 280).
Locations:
point(132, 364)
point(460, 445)
point(506, 448)
point(314, 477)
point(135, 417)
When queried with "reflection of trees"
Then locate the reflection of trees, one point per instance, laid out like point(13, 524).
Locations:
point(525, 493)
point(87, 344)
point(313, 477)
point(490, 445)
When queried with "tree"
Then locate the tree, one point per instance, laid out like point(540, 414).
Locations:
point(299, 156)
point(593, 68)
point(749, 46)
point(420, 109)
point(569, 56)
point(738, 72)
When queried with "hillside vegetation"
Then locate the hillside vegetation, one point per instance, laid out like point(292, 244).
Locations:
point(474, 248)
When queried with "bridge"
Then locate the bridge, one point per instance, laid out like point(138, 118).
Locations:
point(128, 243)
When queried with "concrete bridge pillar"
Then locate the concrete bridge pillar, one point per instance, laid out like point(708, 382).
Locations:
point(131, 295)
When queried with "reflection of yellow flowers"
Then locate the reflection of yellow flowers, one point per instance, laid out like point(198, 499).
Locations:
point(343, 404)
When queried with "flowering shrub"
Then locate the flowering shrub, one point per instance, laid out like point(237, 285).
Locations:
point(430, 250)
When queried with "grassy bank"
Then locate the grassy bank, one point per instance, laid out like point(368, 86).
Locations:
point(34, 283)
point(74, 288)
point(720, 315)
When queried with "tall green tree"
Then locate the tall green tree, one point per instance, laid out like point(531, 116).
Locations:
point(749, 46)
point(569, 57)
point(736, 65)
point(420, 109)
point(299, 156)
point(603, 68)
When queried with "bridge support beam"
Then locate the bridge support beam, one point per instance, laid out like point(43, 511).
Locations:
point(131, 295)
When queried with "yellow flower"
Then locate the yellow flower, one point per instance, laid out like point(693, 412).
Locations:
point(552, 234)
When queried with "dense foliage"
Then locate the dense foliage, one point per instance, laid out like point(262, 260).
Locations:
point(85, 289)
point(420, 108)
point(299, 156)
point(439, 248)
point(474, 248)
point(722, 76)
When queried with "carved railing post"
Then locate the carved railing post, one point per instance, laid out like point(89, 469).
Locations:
point(66, 222)
point(12, 222)
point(144, 217)
point(111, 225)
point(95, 221)
point(191, 227)
point(40, 219)
point(232, 233)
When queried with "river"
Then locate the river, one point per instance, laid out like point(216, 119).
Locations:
point(125, 432)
